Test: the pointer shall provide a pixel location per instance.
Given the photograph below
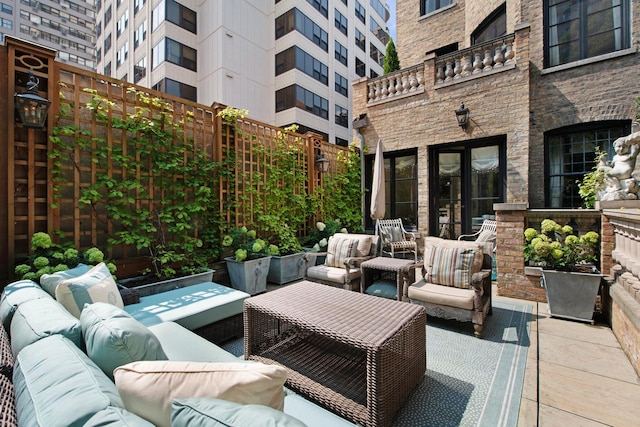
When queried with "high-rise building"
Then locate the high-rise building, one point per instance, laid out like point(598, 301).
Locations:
point(287, 62)
point(64, 25)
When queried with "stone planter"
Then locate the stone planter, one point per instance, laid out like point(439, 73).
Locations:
point(571, 295)
point(167, 285)
point(286, 268)
point(249, 276)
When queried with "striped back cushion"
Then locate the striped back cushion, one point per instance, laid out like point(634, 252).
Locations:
point(450, 266)
point(339, 249)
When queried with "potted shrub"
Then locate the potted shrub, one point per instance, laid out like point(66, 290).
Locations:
point(249, 265)
point(570, 278)
point(288, 264)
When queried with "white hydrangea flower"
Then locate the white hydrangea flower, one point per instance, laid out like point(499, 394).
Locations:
point(323, 243)
point(316, 247)
point(344, 230)
point(321, 225)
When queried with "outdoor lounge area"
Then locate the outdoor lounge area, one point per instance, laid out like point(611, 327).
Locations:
point(434, 331)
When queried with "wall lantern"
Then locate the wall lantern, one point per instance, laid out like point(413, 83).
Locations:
point(322, 163)
point(31, 107)
point(462, 115)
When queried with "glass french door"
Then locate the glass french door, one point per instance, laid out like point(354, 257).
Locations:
point(466, 180)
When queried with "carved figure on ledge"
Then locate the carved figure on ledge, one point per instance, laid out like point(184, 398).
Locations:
point(622, 180)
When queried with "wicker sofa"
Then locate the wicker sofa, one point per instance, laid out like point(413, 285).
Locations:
point(453, 281)
point(56, 369)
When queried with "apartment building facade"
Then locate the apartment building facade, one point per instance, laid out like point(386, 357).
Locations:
point(67, 26)
point(286, 62)
point(543, 83)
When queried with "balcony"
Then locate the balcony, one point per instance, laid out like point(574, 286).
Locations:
point(495, 56)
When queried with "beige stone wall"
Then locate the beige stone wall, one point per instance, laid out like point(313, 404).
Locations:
point(498, 105)
point(627, 335)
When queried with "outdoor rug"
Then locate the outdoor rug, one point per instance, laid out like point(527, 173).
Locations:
point(469, 381)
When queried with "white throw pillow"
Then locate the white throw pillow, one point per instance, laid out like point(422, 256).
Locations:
point(96, 285)
point(147, 388)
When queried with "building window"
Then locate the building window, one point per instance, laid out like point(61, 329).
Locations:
point(172, 51)
point(140, 70)
point(361, 12)
point(342, 116)
point(294, 57)
point(579, 29)
point(296, 96)
point(107, 70)
point(122, 23)
point(361, 69)
point(428, 6)
point(401, 186)
point(375, 54)
point(378, 31)
point(341, 22)
point(342, 85)
point(373, 74)
point(380, 8)
point(107, 16)
point(570, 153)
point(98, 29)
point(107, 44)
point(341, 53)
point(494, 26)
point(137, 5)
point(98, 55)
point(342, 142)
point(321, 5)
point(174, 12)
point(296, 20)
point(122, 55)
point(360, 40)
point(176, 88)
point(6, 8)
point(140, 35)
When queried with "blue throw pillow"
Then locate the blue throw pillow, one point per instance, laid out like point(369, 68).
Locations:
point(113, 338)
point(119, 417)
point(15, 294)
point(49, 282)
point(209, 412)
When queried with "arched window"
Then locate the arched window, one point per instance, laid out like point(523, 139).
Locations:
point(494, 26)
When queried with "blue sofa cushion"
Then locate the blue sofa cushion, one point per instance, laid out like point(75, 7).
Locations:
point(41, 318)
point(49, 282)
point(113, 338)
point(15, 294)
point(208, 412)
point(119, 417)
point(56, 384)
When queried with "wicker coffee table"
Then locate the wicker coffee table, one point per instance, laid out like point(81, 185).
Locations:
point(357, 355)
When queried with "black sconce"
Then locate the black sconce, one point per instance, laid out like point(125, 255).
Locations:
point(462, 115)
point(31, 107)
point(322, 163)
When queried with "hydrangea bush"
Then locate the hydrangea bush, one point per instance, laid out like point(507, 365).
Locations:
point(556, 247)
point(49, 257)
point(318, 237)
point(245, 245)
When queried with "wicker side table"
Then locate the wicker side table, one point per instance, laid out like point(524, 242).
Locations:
point(357, 355)
point(393, 265)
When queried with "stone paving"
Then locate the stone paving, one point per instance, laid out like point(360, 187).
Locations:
point(577, 375)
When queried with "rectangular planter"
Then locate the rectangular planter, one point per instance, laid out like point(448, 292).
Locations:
point(175, 283)
point(286, 268)
point(249, 276)
point(571, 295)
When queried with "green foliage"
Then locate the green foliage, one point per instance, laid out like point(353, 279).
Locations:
point(340, 194)
point(318, 237)
point(230, 115)
point(158, 191)
point(391, 61)
point(557, 248)
point(245, 244)
point(284, 191)
point(592, 182)
point(49, 257)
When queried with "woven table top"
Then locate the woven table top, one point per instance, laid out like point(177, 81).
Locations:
point(386, 263)
point(364, 321)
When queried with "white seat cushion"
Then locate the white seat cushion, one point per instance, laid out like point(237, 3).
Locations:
point(441, 295)
point(332, 274)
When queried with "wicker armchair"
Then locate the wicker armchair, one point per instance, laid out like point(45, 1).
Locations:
point(341, 268)
point(395, 239)
point(453, 282)
point(486, 235)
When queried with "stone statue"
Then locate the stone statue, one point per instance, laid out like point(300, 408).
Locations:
point(622, 180)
